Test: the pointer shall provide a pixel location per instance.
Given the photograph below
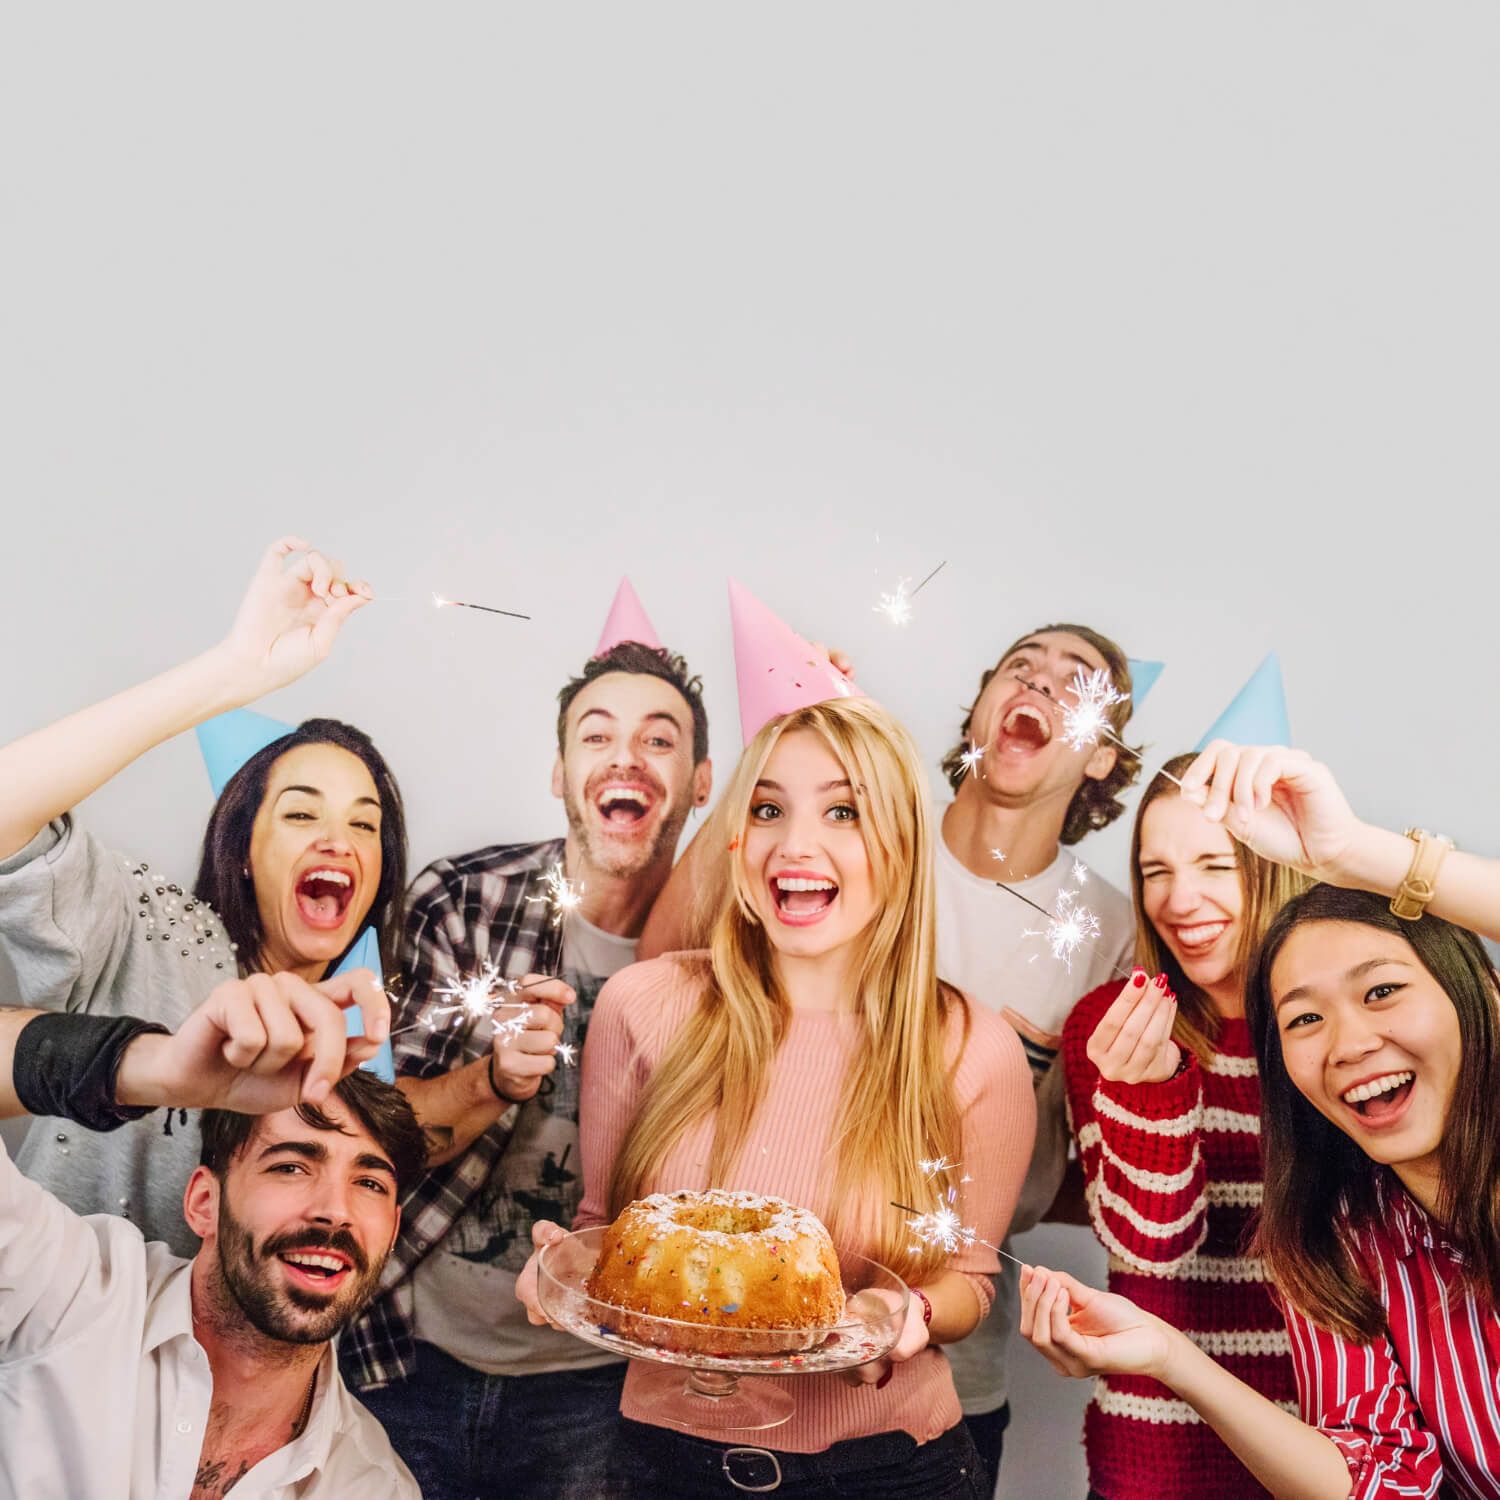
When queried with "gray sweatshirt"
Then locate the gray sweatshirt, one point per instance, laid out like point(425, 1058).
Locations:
point(87, 931)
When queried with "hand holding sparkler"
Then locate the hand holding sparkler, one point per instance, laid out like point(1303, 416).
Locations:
point(288, 619)
point(1080, 1331)
point(1281, 803)
point(1132, 1042)
point(525, 1046)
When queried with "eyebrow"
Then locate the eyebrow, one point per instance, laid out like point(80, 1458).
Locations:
point(660, 713)
point(312, 791)
point(827, 786)
point(1357, 972)
point(1082, 661)
point(316, 1151)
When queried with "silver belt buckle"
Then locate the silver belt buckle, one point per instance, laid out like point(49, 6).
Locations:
point(752, 1457)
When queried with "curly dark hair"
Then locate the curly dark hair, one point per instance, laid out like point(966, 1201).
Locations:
point(1096, 804)
point(647, 661)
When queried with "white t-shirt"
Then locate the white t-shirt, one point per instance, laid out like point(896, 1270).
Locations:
point(990, 945)
point(464, 1292)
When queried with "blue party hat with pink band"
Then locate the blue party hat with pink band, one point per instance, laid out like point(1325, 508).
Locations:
point(229, 740)
point(365, 954)
point(778, 671)
point(1257, 715)
point(627, 621)
point(1143, 675)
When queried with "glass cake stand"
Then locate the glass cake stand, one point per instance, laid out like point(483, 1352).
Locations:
point(699, 1380)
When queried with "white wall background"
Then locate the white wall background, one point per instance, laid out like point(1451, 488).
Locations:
point(1177, 319)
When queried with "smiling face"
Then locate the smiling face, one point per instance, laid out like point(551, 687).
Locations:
point(1371, 1039)
point(806, 868)
point(626, 774)
point(1192, 892)
point(300, 1226)
point(315, 856)
point(1017, 721)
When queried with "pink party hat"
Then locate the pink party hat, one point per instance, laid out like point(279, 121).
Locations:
point(627, 622)
point(778, 671)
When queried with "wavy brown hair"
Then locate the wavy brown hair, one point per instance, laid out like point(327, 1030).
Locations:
point(1266, 887)
point(1319, 1183)
point(897, 1105)
point(1096, 804)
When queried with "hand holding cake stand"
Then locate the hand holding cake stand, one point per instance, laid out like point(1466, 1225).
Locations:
point(714, 1359)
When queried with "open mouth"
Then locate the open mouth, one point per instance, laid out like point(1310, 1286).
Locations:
point(1380, 1100)
point(1025, 728)
point(323, 896)
point(316, 1268)
point(624, 807)
point(802, 899)
point(1199, 937)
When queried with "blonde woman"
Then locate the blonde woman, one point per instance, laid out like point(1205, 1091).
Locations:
point(813, 1054)
point(1165, 1107)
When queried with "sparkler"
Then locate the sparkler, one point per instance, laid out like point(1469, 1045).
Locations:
point(944, 1228)
point(566, 1053)
point(930, 1166)
point(1080, 873)
point(439, 602)
point(1068, 928)
point(560, 893)
point(1085, 720)
point(971, 757)
point(468, 999)
point(896, 607)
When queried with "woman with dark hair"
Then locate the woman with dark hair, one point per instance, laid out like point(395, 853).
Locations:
point(305, 848)
point(1162, 1098)
point(1377, 1034)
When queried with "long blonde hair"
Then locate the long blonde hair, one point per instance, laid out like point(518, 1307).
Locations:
point(1267, 887)
point(897, 1105)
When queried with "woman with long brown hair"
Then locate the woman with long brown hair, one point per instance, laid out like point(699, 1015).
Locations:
point(813, 1054)
point(1377, 1036)
point(1161, 1085)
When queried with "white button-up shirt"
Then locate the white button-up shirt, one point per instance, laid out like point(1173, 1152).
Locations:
point(104, 1391)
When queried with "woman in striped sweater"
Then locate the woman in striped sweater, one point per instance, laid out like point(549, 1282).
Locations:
point(1164, 1105)
point(1377, 1035)
point(812, 1053)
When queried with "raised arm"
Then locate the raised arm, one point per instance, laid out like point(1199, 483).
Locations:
point(286, 623)
point(1288, 807)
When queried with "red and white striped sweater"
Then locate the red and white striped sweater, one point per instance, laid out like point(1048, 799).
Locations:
point(1173, 1178)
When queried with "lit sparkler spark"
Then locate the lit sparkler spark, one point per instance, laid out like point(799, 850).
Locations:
point(998, 854)
point(1080, 872)
point(971, 757)
point(1086, 719)
point(472, 997)
point(567, 1053)
point(438, 602)
point(1068, 929)
point(896, 607)
point(561, 894)
point(943, 1228)
point(930, 1166)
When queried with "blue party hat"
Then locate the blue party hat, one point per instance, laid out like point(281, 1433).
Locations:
point(1257, 715)
point(229, 740)
point(365, 954)
point(1143, 675)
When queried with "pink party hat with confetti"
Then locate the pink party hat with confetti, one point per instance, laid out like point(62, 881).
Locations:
point(627, 622)
point(778, 671)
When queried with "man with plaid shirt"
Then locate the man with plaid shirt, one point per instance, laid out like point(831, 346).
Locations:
point(474, 1398)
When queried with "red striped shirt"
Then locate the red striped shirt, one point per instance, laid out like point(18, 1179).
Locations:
point(1416, 1411)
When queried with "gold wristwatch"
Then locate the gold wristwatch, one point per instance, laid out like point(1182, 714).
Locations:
point(1411, 898)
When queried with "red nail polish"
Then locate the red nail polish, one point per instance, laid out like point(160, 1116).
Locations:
point(885, 1379)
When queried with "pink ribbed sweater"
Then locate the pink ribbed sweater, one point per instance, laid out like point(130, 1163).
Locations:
point(790, 1152)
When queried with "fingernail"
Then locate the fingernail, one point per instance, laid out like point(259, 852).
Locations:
point(885, 1379)
point(1138, 979)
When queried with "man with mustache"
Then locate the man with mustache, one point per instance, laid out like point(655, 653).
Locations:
point(1022, 797)
point(449, 1335)
point(136, 1373)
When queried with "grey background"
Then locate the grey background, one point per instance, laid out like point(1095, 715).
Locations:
point(1178, 319)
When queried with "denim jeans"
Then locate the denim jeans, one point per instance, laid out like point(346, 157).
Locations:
point(656, 1463)
point(469, 1436)
point(988, 1432)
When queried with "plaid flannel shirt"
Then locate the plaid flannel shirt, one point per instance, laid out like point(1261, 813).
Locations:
point(461, 913)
